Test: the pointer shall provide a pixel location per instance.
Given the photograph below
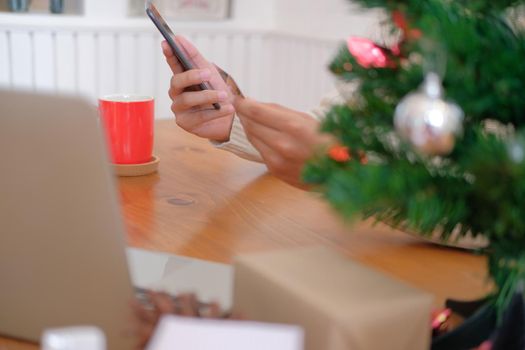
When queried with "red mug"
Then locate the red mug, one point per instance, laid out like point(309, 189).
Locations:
point(128, 122)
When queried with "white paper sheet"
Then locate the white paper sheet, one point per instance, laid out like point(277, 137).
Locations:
point(179, 333)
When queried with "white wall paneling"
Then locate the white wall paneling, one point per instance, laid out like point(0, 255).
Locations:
point(106, 62)
point(5, 58)
point(21, 58)
point(255, 66)
point(86, 47)
point(328, 19)
point(44, 61)
point(147, 46)
point(67, 69)
point(127, 68)
point(96, 60)
point(163, 76)
point(238, 59)
point(107, 9)
point(281, 70)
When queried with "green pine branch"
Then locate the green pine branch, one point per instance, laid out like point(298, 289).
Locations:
point(480, 187)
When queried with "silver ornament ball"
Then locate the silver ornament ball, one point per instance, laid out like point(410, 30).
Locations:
point(427, 121)
point(516, 149)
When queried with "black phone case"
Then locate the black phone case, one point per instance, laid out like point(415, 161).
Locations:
point(179, 53)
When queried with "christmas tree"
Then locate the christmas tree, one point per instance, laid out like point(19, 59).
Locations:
point(432, 136)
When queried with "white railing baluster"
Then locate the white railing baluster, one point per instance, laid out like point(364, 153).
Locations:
point(55, 61)
point(96, 64)
point(86, 70)
point(5, 59)
point(93, 61)
point(44, 61)
point(66, 62)
point(106, 63)
point(22, 74)
point(32, 53)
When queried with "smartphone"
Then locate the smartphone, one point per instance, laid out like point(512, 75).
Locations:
point(178, 51)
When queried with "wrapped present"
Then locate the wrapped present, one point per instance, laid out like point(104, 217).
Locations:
point(341, 304)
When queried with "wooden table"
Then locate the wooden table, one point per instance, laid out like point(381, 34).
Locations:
point(209, 204)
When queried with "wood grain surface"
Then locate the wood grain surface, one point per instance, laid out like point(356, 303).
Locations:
point(209, 204)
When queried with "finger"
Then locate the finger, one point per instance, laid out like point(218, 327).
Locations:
point(211, 310)
point(261, 113)
point(163, 303)
point(192, 99)
point(187, 79)
point(189, 120)
point(295, 125)
point(268, 155)
point(185, 306)
point(285, 169)
point(166, 49)
point(196, 58)
point(189, 305)
point(273, 116)
point(214, 311)
point(172, 61)
point(278, 107)
point(285, 144)
point(200, 62)
point(216, 129)
point(144, 315)
point(191, 51)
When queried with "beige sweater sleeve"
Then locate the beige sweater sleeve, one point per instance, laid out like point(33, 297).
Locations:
point(239, 144)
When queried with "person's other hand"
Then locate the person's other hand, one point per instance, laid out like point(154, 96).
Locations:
point(285, 138)
point(193, 109)
point(148, 316)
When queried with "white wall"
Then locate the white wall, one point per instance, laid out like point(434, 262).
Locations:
point(247, 13)
point(106, 8)
point(254, 13)
point(277, 50)
point(328, 19)
point(95, 57)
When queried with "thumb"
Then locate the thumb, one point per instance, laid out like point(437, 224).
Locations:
point(245, 106)
point(258, 112)
point(187, 48)
point(191, 52)
point(172, 61)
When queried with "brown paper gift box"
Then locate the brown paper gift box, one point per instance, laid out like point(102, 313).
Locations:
point(341, 304)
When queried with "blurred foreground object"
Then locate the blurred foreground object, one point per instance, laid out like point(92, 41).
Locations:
point(74, 338)
point(56, 6)
point(207, 334)
point(421, 175)
point(19, 5)
point(340, 304)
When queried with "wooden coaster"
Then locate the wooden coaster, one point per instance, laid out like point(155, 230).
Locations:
point(137, 169)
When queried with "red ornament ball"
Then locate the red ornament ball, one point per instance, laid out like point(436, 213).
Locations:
point(340, 154)
point(367, 53)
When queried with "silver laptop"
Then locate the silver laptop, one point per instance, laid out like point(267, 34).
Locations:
point(62, 244)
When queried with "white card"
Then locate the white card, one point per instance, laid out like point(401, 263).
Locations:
point(183, 333)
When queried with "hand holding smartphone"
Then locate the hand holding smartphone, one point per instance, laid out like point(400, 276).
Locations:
point(178, 51)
